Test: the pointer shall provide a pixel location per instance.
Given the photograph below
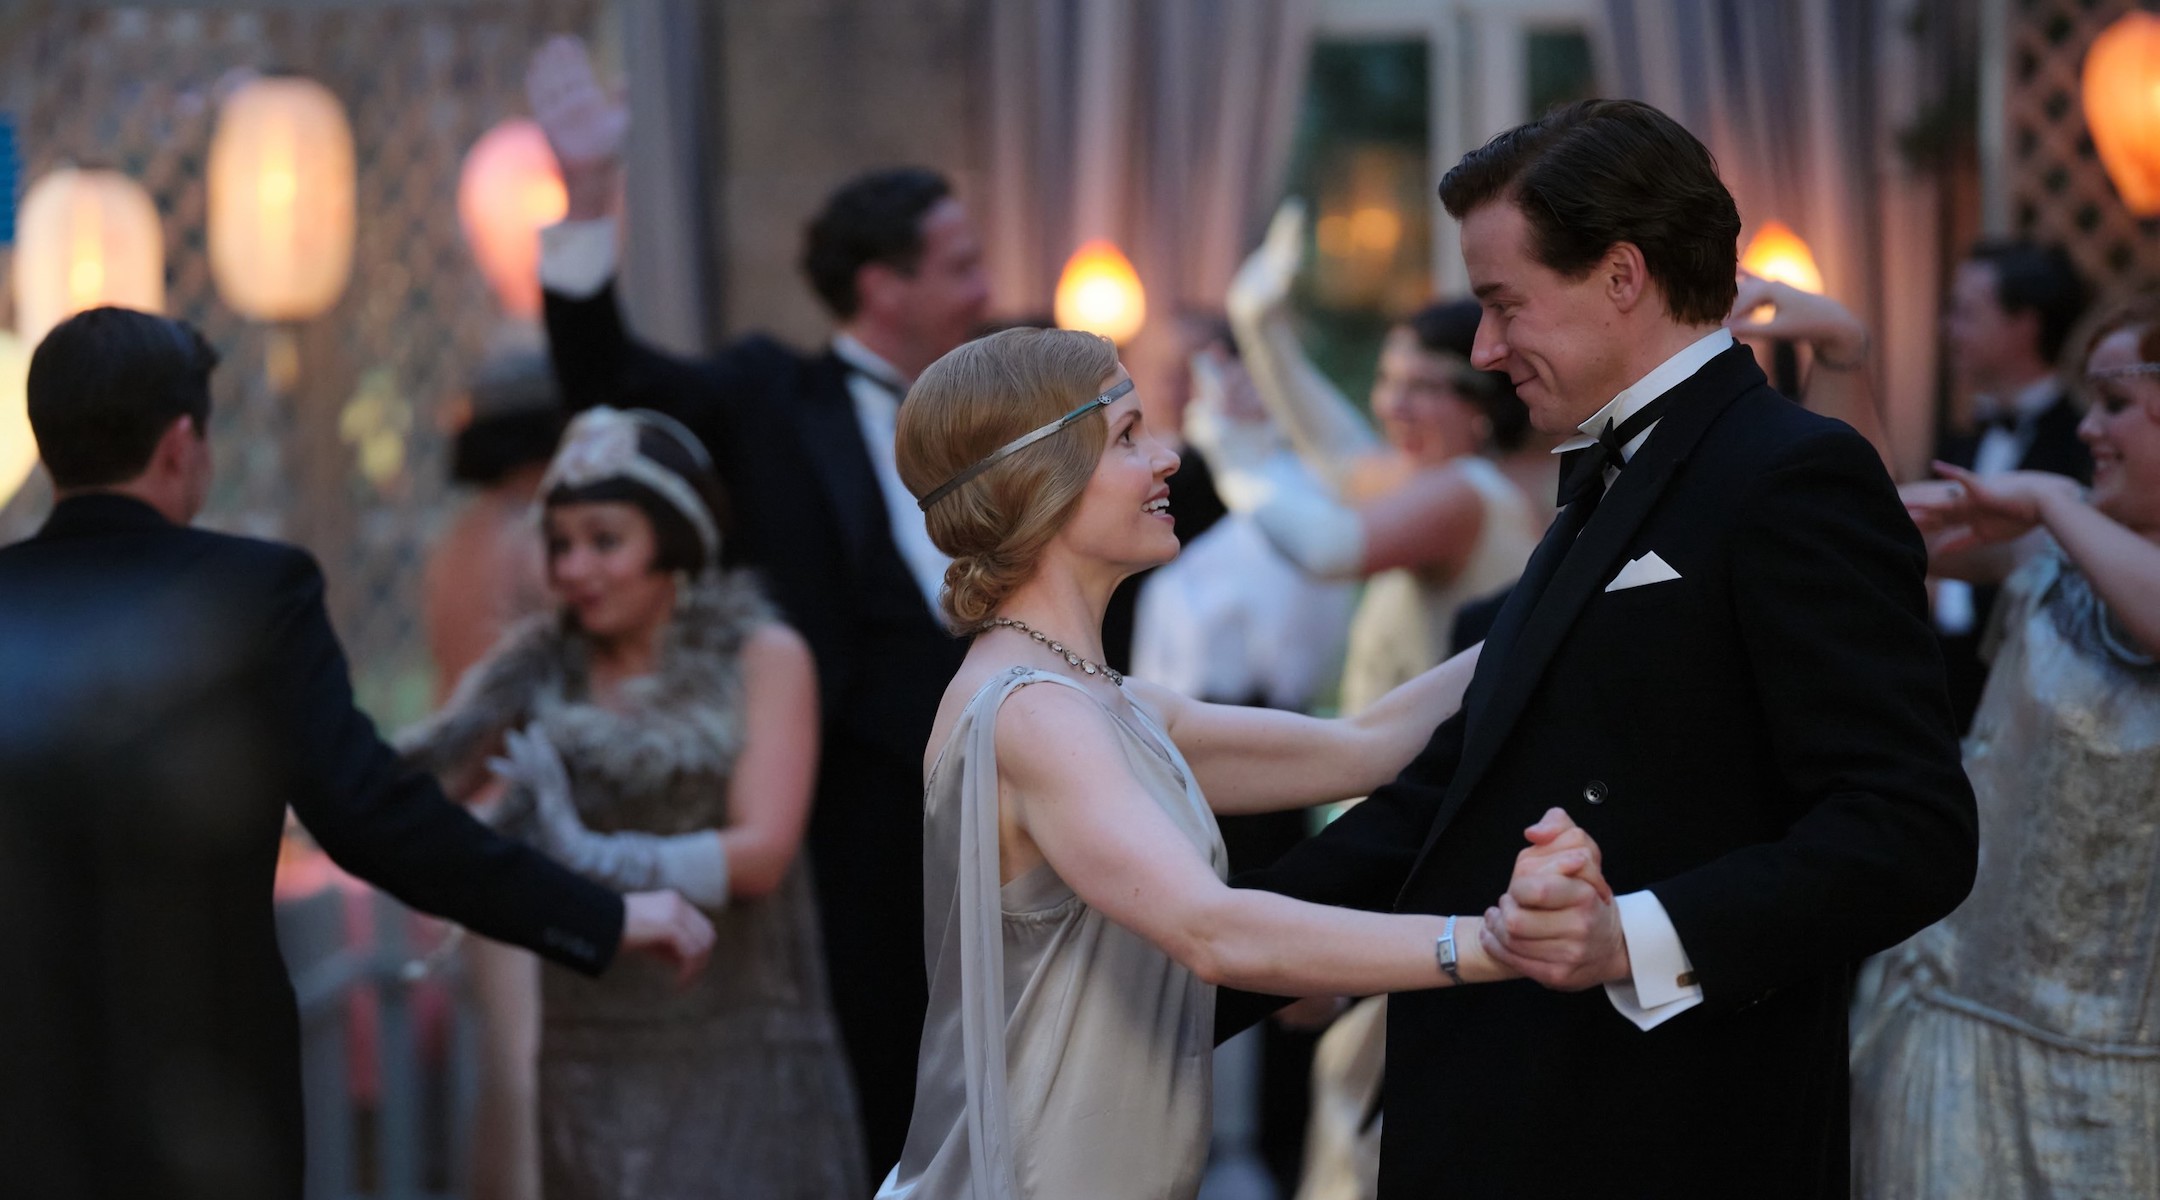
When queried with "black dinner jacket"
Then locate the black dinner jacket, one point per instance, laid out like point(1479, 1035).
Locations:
point(808, 514)
point(1763, 743)
point(165, 694)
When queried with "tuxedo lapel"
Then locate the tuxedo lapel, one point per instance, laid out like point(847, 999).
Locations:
point(1531, 626)
point(834, 440)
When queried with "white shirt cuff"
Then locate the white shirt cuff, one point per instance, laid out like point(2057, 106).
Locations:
point(577, 258)
point(1663, 984)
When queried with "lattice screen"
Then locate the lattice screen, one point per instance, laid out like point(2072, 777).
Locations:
point(134, 89)
point(2058, 190)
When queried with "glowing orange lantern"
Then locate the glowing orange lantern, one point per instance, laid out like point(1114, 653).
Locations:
point(1776, 252)
point(86, 238)
point(281, 199)
point(18, 451)
point(509, 188)
point(2122, 107)
point(1100, 292)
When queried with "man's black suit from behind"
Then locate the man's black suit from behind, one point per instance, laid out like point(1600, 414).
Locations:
point(1764, 743)
point(810, 517)
point(165, 694)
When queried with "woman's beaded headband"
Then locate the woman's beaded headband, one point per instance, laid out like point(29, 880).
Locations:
point(602, 443)
point(1021, 443)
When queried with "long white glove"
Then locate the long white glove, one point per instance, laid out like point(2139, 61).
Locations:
point(1256, 476)
point(694, 864)
point(1327, 430)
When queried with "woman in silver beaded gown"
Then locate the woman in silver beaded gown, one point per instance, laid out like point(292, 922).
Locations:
point(661, 732)
point(2013, 1050)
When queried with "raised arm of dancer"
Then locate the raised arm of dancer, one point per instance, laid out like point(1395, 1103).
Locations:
point(1430, 520)
point(1328, 432)
point(598, 360)
point(1839, 381)
point(1250, 760)
point(1068, 799)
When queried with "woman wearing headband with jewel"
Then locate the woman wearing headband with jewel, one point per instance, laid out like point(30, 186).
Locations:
point(2013, 1049)
point(661, 726)
point(1077, 922)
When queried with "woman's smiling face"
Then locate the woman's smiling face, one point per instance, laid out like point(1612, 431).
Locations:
point(1123, 517)
point(600, 557)
point(2122, 427)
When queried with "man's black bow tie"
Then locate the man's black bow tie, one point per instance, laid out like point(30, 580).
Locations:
point(1582, 472)
point(2008, 422)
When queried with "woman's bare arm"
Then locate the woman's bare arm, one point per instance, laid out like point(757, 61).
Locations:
point(1431, 523)
point(769, 794)
point(1250, 760)
point(1063, 775)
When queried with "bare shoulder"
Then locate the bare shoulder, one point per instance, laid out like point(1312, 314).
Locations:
point(1050, 731)
point(775, 649)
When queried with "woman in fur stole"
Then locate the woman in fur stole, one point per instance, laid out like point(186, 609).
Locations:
point(660, 731)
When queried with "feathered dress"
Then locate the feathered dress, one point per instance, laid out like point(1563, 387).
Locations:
point(736, 1084)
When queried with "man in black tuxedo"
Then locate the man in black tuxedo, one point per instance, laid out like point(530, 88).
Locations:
point(1719, 663)
point(804, 443)
point(165, 694)
point(2012, 307)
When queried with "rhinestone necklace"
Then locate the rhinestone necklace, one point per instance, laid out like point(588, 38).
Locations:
point(1057, 648)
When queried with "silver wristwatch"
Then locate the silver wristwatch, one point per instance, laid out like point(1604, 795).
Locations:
point(1444, 950)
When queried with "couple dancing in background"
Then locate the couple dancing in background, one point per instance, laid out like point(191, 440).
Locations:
point(1717, 662)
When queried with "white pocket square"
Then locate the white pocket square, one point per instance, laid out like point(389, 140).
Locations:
point(1647, 569)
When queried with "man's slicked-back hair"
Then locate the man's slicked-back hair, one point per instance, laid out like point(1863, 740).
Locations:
point(874, 218)
point(1598, 172)
point(106, 384)
point(2038, 279)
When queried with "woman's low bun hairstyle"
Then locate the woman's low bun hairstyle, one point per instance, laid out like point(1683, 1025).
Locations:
point(975, 399)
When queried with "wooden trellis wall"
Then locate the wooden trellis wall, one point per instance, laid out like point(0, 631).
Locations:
point(135, 89)
point(2058, 190)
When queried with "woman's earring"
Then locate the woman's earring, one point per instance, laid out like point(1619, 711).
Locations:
point(682, 590)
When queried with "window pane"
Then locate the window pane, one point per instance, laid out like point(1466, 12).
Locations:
point(1362, 165)
point(1560, 68)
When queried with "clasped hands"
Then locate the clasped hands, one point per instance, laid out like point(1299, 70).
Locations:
point(1962, 510)
point(1557, 924)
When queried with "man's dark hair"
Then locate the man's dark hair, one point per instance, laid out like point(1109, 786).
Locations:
point(106, 384)
point(876, 218)
point(1450, 327)
point(677, 546)
point(516, 419)
point(2038, 279)
point(1598, 172)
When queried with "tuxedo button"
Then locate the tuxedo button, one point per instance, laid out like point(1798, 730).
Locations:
point(1595, 791)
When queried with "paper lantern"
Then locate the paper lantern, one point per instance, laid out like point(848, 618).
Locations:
point(2122, 107)
point(18, 451)
point(85, 238)
point(1776, 252)
point(1100, 292)
point(281, 199)
point(509, 188)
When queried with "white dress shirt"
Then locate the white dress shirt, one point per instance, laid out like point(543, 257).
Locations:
point(577, 258)
point(1663, 980)
point(877, 389)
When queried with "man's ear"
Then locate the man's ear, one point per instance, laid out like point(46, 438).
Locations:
point(877, 288)
point(170, 455)
point(1626, 275)
point(2026, 322)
